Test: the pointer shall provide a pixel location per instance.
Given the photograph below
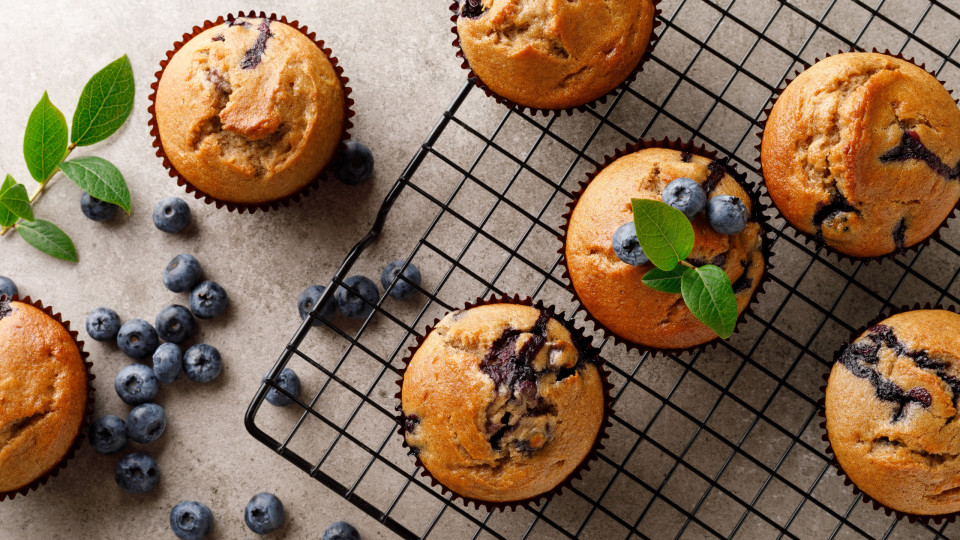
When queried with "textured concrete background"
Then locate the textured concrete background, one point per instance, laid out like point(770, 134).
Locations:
point(401, 69)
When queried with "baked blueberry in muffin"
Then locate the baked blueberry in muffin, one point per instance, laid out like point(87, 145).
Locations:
point(891, 409)
point(861, 151)
point(500, 404)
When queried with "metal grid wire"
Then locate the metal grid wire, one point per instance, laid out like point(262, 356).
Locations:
point(724, 443)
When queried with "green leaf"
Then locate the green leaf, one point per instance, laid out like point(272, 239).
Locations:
point(48, 238)
point(665, 234)
point(14, 203)
point(99, 178)
point(664, 281)
point(45, 141)
point(709, 296)
point(105, 103)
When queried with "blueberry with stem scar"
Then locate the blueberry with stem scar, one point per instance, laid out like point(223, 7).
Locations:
point(685, 195)
point(626, 246)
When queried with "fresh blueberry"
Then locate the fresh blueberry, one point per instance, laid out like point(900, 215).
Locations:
point(402, 290)
point(352, 304)
point(96, 209)
point(167, 363)
point(7, 287)
point(136, 384)
point(108, 435)
point(727, 214)
point(137, 339)
point(202, 363)
point(354, 165)
point(182, 273)
point(171, 215)
point(137, 473)
point(103, 324)
point(341, 530)
point(191, 520)
point(208, 300)
point(146, 423)
point(685, 195)
point(289, 381)
point(627, 247)
point(308, 299)
point(264, 513)
point(175, 323)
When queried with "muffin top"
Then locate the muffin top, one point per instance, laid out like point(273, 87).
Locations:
point(554, 54)
point(43, 393)
point(862, 151)
point(891, 407)
point(499, 404)
point(250, 111)
point(612, 290)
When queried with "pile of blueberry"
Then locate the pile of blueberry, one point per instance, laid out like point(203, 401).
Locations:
point(725, 213)
point(170, 215)
point(352, 304)
point(138, 384)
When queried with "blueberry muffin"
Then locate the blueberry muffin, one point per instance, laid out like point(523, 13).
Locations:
point(250, 111)
point(43, 394)
point(554, 54)
point(612, 290)
point(862, 151)
point(891, 406)
point(500, 404)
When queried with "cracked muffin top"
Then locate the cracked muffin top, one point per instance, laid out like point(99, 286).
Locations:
point(612, 290)
point(250, 111)
point(554, 54)
point(891, 408)
point(43, 393)
point(861, 150)
point(499, 404)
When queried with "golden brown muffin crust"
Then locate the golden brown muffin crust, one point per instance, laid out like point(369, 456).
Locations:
point(43, 393)
point(555, 54)
point(891, 408)
point(612, 290)
point(250, 111)
point(861, 150)
point(493, 429)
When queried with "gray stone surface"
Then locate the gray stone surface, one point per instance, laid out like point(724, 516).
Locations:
point(404, 74)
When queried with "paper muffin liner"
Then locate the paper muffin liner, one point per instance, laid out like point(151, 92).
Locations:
point(465, 64)
point(267, 205)
point(87, 413)
point(757, 214)
point(586, 349)
point(866, 498)
point(811, 240)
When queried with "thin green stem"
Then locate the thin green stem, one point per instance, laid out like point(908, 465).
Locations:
point(43, 186)
point(688, 265)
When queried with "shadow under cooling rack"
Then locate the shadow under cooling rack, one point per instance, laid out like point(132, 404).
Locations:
point(724, 443)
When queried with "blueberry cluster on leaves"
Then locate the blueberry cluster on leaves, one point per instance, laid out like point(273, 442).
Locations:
point(105, 104)
point(661, 234)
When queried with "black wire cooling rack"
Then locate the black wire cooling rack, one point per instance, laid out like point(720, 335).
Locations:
point(723, 443)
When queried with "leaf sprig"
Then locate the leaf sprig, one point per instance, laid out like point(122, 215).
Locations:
point(667, 238)
point(104, 105)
